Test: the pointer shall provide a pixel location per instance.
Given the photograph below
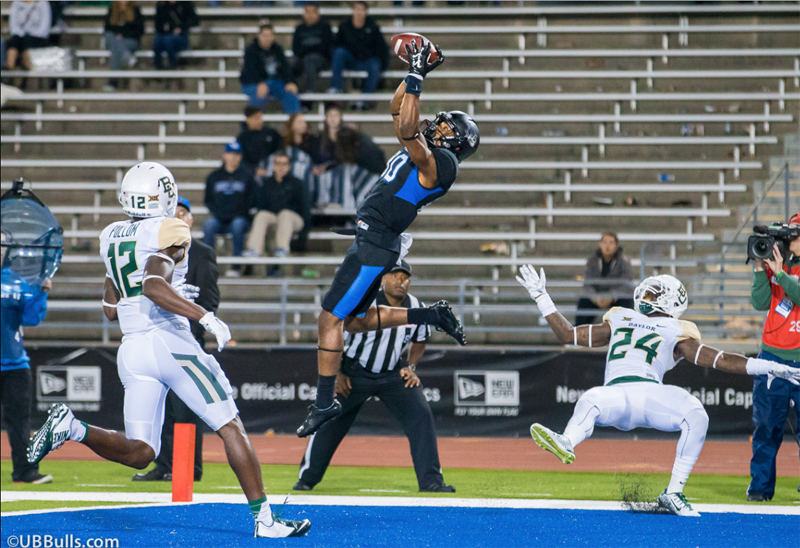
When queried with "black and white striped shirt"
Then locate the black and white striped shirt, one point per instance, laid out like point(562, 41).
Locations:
point(380, 351)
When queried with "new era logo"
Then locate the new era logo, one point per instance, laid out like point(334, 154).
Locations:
point(50, 384)
point(487, 388)
point(469, 389)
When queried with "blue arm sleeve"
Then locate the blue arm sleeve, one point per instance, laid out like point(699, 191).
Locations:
point(35, 308)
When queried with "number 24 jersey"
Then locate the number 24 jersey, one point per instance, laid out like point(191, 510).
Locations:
point(125, 247)
point(642, 346)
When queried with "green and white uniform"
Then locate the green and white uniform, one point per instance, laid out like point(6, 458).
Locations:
point(158, 352)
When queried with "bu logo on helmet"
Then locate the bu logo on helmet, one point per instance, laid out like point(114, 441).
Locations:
point(168, 187)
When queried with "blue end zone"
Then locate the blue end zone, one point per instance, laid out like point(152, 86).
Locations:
point(223, 525)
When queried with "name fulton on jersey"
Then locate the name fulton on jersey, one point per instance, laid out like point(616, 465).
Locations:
point(125, 247)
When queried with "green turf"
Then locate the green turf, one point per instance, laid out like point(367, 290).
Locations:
point(22, 505)
point(218, 478)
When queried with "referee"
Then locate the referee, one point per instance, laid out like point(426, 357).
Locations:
point(370, 368)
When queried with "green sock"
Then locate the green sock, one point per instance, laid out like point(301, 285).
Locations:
point(261, 510)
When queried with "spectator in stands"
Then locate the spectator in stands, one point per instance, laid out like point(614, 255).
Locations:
point(312, 46)
point(607, 262)
point(348, 183)
point(325, 155)
point(173, 22)
point(281, 205)
point(266, 72)
point(228, 197)
point(29, 25)
point(300, 144)
point(359, 46)
point(258, 141)
point(124, 28)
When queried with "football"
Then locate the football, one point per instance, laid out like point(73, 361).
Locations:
point(399, 42)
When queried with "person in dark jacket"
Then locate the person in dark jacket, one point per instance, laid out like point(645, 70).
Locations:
point(282, 205)
point(607, 262)
point(173, 21)
point(258, 141)
point(266, 72)
point(124, 27)
point(228, 197)
point(21, 305)
point(359, 46)
point(203, 274)
point(312, 45)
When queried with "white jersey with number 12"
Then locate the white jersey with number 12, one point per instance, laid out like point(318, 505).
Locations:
point(125, 247)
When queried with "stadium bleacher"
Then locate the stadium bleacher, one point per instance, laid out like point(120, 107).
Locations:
point(581, 95)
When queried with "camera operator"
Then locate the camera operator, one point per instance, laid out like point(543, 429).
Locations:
point(776, 289)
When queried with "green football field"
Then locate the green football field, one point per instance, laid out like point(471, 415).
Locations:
point(496, 484)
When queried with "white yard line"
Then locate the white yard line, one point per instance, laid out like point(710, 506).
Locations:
point(324, 500)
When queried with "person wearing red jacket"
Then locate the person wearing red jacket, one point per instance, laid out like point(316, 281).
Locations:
point(776, 289)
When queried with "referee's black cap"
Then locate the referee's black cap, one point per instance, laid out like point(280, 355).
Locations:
point(402, 267)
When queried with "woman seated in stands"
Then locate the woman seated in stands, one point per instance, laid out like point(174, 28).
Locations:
point(300, 145)
point(348, 181)
point(124, 28)
point(325, 154)
point(29, 25)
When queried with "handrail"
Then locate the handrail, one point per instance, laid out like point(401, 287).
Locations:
point(463, 11)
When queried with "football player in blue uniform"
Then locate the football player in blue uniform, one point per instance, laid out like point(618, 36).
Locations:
point(419, 174)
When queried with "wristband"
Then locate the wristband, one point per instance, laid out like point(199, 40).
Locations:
point(779, 274)
point(756, 366)
point(545, 304)
point(414, 84)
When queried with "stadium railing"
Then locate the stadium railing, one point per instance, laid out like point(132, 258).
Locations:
point(601, 142)
point(759, 8)
point(506, 55)
point(583, 165)
point(292, 299)
point(781, 96)
point(531, 214)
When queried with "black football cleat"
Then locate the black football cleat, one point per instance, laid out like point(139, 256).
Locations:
point(446, 321)
point(156, 474)
point(438, 488)
point(302, 486)
point(317, 417)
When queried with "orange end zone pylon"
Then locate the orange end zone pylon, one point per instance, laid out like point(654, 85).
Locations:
point(183, 463)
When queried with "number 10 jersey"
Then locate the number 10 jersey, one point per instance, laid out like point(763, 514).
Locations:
point(642, 346)
point(125, 247)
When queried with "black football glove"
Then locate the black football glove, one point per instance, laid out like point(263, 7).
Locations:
point(418, 59)
point(446, 321)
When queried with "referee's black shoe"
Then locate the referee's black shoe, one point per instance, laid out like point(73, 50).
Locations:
point(446, 321)
point(302, 486)
point(317, 417)
point(438, 488)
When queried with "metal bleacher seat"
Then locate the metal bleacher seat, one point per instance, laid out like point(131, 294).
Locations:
point(522, 211)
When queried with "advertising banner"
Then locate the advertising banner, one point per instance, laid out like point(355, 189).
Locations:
point(471, 392)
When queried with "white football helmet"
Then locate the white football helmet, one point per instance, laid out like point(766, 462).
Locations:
point(670, 296)
point(148, 190)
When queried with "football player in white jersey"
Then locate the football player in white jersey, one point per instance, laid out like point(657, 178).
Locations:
point(146, 262)
point(644, 343)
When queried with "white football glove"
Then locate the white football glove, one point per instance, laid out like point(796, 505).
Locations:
point(188, 291)
point(780, 371)
point(532, 281)
point(216, 327)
